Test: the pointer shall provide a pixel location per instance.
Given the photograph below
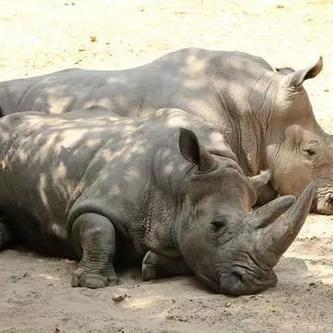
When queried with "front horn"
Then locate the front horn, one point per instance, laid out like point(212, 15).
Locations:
point(274, 237)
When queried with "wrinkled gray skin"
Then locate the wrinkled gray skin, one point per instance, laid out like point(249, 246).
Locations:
point(264, 114)
point(95, 186)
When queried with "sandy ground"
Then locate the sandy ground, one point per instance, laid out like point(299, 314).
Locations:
point(42, 36)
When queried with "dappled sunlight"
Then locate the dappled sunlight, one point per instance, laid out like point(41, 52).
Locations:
point(60, 104)
point(144, 302)
point(43, 189)
point(59, 231)
point(102, 102)
point(195, 83)
point(48, 277)
point(195, 63)
point(234, 91)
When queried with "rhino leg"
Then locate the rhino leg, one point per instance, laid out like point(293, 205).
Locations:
point(94, 239)
point(156, 266)
point(6, 236)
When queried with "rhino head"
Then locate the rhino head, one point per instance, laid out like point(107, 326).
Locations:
point(298, 150)
point(229, 247)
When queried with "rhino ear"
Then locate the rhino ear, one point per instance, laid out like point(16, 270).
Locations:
point(298, 77)
point(193, 152)
point(285, 70)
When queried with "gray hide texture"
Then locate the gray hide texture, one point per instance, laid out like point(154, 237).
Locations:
point(264, 114)
point(167, 188)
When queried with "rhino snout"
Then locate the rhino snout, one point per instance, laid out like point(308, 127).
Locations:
point(237, 283)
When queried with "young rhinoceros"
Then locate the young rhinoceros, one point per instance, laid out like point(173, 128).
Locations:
point(81, 183)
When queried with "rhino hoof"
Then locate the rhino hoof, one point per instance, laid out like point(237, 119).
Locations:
point(92, 280)
point(148, 272)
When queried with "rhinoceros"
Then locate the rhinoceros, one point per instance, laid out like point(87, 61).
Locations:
point(264, 114)
point(168, 189)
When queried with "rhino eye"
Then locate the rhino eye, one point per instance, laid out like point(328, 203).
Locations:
point(311, 148)
point(310, 151)
point(218, 224)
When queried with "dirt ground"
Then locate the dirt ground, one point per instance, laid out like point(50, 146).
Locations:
point(42, 36)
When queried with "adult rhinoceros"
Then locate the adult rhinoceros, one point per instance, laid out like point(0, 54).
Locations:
point(82, 183)
point(265, 115)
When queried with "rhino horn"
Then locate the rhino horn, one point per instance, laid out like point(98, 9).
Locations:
point(275, 232)
point(261, 180)
point(268, 213)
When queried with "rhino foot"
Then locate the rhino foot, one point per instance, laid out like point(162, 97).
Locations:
point(149, 272)
point(94, 235)
point(81, 278)
point(156, 266)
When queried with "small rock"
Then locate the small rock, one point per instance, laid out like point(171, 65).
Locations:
point(118, 297)
point(280, 6)
point(326, 90)
point(228, 305)
point(56, 330)
point(173, 300)
point(93, 39)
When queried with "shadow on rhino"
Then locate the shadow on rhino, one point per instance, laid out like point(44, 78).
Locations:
point(264, 114)
point(168, 186)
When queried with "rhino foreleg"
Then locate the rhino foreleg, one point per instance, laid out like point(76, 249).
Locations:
point(94, 239)
point(6, 236)
point(156, 266)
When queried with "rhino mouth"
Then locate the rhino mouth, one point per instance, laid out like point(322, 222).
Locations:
point(323, 203)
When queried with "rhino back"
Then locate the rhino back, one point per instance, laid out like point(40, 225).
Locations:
point(185, 79)
point(56, 167)
point(43, 161)
point(218, 86)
